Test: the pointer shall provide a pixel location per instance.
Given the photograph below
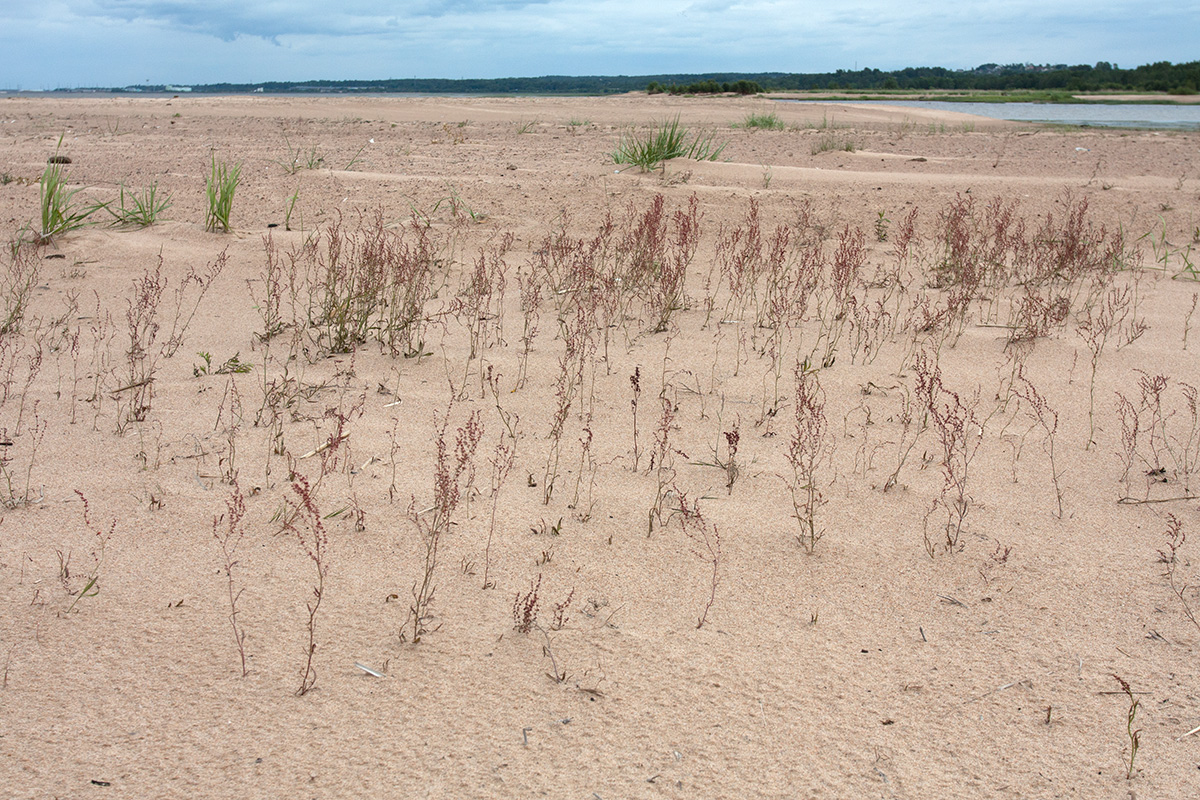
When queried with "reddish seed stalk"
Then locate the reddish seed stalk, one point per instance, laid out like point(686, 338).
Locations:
point(635, 380)
point(705, 542)
point(805, 452)
point(448, 488)
point(228, 531)
point(1047, 419)
point(502, 463)
point(309, 531)
point(959, 434)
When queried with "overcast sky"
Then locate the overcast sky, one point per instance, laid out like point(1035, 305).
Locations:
point(46, 44)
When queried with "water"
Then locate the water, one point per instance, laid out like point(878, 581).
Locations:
point(1123, 115)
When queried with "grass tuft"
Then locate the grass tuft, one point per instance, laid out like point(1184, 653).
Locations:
point(60, 211)
point(662, 143)
point(222, 183)
point(829, 142)
point(766, 122)
point(299, 159)
point(140, 211)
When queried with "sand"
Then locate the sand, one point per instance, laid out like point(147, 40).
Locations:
point(898, 658)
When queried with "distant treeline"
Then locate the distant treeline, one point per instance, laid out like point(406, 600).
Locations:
point(706, 87)
point(1160, 77)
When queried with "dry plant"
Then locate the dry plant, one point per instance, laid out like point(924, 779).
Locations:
point(705, 543)
point(1046, 418)
point(101, 330)
point(959, 432)
point(790, 279)
point(502, 463)
point(1187, 319)
point(529, 282)
point(15, 359)
point(871, 326)
point(1175, 566)
point(434, 523)
point(135, 397)
point(587, 461)
point(1038, 314)
point(229, 531)
point(998, 558)
point(17, 476)
point(732, 469)
point(1127, 412)
point(577, 352)
point(480, 303)
point(662, 461)
point(269, 304)
point(808, 447)
point(100, 538)
point(229, 411)
point(187, 296)
point(510, 419)
point(1133, 736)
point(525, 621)
point(1100, 318)
point(739, 257)
point(844, 281)
point(526, 607)
point(18, 277)
point(280, 394)
point(369, 283)
point(307, 526)
point(635, 382)
point(661, 274)
point(1166, 441)
point(642, 242)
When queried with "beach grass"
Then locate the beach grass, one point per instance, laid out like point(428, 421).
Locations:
point(766, 122)
point(139, 210)
point(60, 212)
point(221, 185)
point(663, 142)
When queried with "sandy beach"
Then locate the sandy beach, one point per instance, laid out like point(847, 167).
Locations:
point(861, 461)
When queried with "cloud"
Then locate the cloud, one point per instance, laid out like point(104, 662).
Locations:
point(271, 19)
point(118, 42)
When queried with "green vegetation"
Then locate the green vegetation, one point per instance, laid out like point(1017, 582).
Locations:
point(219, 189)
point(291, 206)
point(829, 142)
point(766, 122)
point(1033, 78)
point(709, 86)
point(662, 143)
point(232, 366)
point(1163, 76)
point(139, 211)
point(299, 159)
point(60, 212)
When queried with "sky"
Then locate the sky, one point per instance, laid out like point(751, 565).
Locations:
point(47, 44)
